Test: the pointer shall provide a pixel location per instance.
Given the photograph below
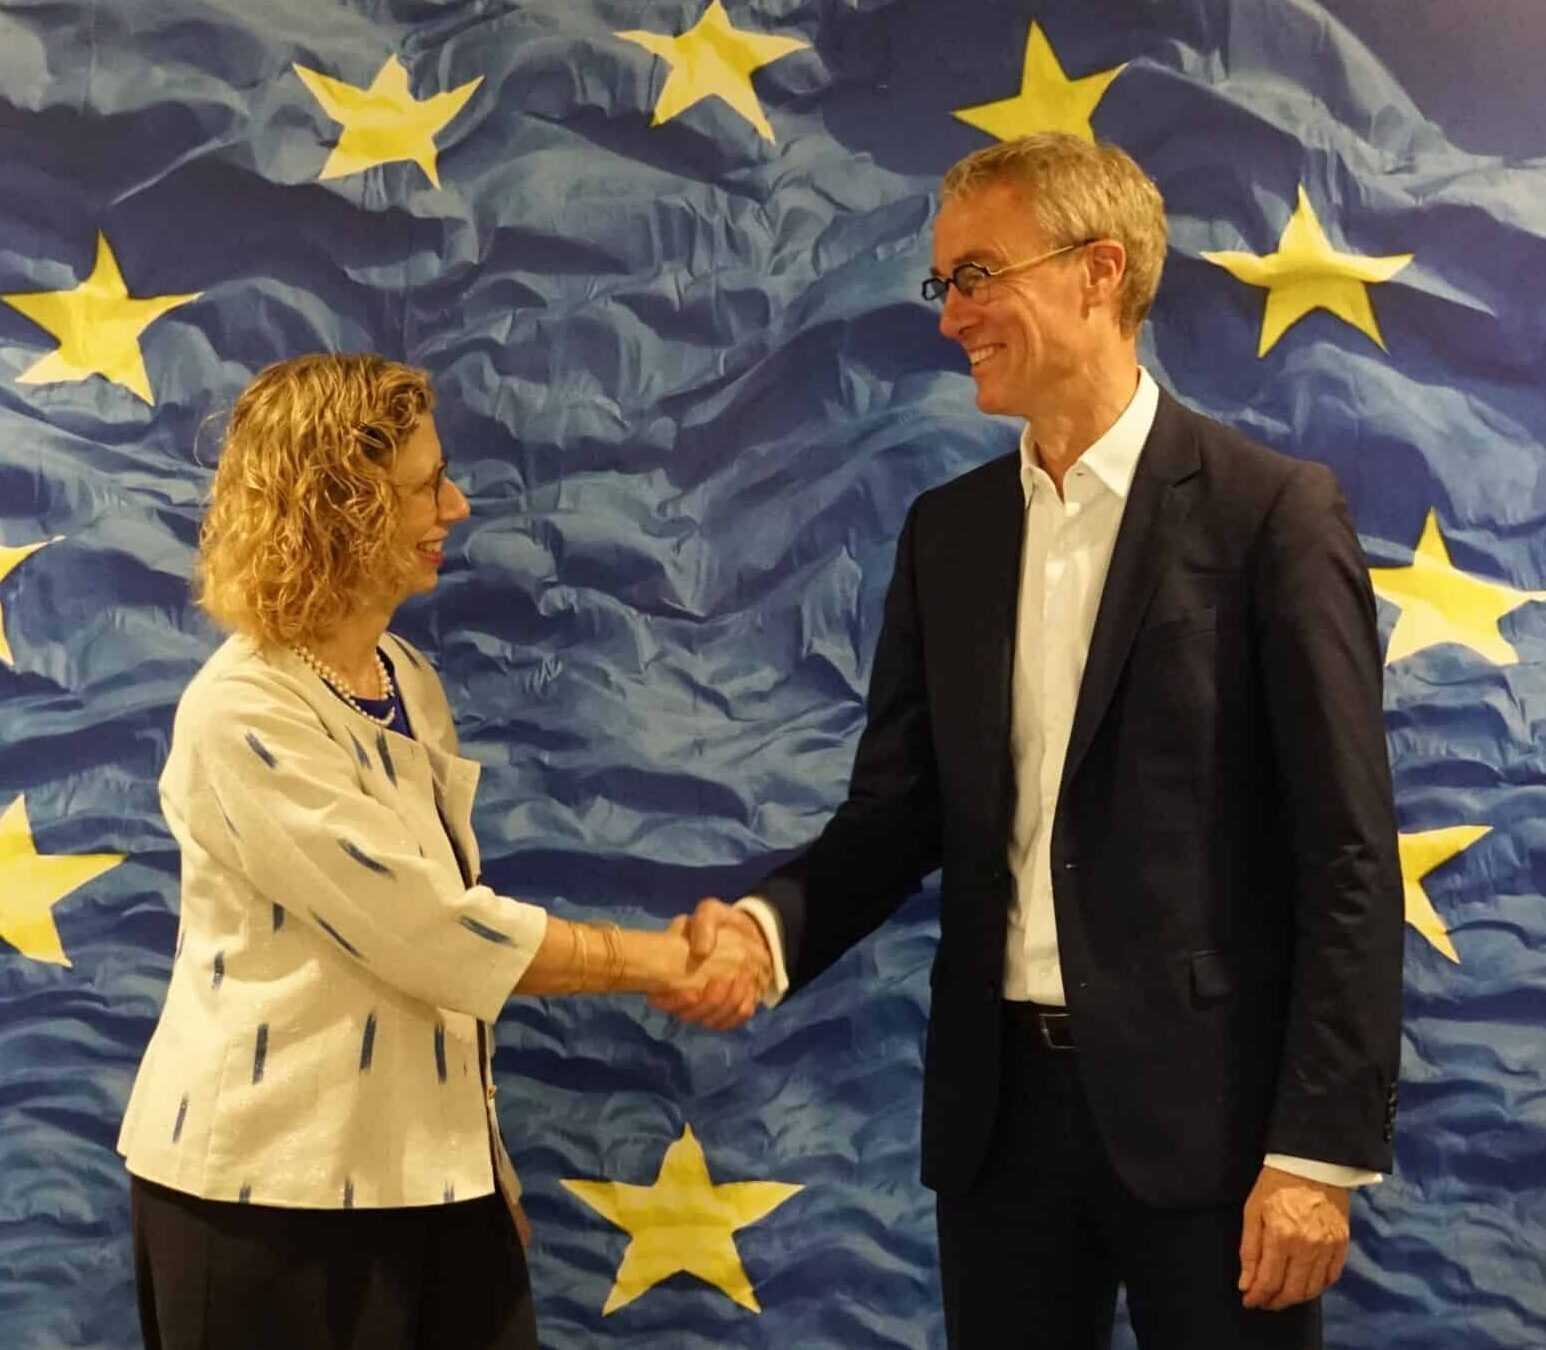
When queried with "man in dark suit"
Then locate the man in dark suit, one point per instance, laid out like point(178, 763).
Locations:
point(1127, 695)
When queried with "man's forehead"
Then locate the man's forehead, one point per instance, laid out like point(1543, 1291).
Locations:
point(992, 224)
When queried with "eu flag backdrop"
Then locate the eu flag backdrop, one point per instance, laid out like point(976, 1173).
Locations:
point(661, 258)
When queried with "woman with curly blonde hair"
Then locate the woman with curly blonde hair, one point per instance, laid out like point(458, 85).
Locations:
point(314, 1153)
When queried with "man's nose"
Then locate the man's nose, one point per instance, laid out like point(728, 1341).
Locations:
point(954, 313)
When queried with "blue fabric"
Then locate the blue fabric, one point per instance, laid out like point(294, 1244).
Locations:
point(690, 389)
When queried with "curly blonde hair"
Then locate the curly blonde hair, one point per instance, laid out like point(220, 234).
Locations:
point(302, 513)
point(1076, 190)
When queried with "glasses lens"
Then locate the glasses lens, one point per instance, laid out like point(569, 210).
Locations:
point(934, 288)
point(968, 277)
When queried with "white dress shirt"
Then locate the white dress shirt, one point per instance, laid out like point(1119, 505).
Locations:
point(1069, 540)
point(1063, 565)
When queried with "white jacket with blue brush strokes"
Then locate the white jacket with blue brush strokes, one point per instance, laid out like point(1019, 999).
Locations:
point(319, 1046)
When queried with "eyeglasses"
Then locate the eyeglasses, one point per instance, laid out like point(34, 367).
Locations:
point(968, 277)
point(430, 485)
point(438, 481)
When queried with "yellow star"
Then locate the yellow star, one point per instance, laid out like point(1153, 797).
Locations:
point(684, 1222)
point(97, 325)
point(1439, 603)
point(385, 123)
point(10, 560)
point(1422, 853)
point(1048, 100)
point(714, 57)
point(1307, 273)
point(32, 883)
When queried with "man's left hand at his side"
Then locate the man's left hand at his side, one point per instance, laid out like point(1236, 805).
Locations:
point(1294, 1242)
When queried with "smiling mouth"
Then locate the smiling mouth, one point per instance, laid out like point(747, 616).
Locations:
point(977, 356)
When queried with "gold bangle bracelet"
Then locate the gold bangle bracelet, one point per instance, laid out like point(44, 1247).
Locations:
point(612, 934)
point(584, 976)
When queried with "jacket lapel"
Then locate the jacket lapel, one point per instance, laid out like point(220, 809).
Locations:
point(1157, 504)
point(456, 784)
point(455, 778)
point(997, 535)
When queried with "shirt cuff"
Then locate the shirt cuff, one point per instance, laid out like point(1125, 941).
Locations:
point(1329, 1174)
point(772, 926)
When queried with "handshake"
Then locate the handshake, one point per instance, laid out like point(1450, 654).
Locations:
point(711, 967)
point(720, 967)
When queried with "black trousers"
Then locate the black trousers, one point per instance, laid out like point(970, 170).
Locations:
point(1032, 1257)
point(219, 1276)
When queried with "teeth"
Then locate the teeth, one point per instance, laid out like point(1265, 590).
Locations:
point(980, 355)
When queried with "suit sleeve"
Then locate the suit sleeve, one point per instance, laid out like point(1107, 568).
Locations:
point(284, 810)
point(885, 837)
point(1322, 676)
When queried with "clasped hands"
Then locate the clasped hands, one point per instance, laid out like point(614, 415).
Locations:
point(726, 967)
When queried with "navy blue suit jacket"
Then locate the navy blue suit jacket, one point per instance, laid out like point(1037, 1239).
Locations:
point(1225, 874)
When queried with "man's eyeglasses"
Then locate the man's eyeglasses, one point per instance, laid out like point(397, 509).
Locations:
point(968, 277)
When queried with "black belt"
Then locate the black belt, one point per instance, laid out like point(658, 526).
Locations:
point(1053, 1027)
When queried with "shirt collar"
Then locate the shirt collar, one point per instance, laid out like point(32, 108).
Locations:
point(1113, 458)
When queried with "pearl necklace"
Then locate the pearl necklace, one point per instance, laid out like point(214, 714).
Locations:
point(341, 685)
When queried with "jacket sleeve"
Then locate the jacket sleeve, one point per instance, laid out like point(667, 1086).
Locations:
point(285, 810)
point(885, 837)
point(1322, 677)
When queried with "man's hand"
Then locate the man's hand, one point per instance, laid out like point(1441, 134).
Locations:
point(1295, 1239)
point(729, 967)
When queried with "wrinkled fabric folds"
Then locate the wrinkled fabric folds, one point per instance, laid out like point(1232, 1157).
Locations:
point(689, 387)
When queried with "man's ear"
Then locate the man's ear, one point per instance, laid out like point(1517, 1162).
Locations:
point(1105, 266)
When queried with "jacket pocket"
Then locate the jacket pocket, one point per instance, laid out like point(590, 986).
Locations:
point(1175, 628)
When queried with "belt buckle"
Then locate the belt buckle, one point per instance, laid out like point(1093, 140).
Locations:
point(1056, 1031)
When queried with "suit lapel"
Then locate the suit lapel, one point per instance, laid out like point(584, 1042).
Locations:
point(1157, 504)
point(997, 534)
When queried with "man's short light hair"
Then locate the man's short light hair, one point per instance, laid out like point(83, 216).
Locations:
point(1077, 190)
